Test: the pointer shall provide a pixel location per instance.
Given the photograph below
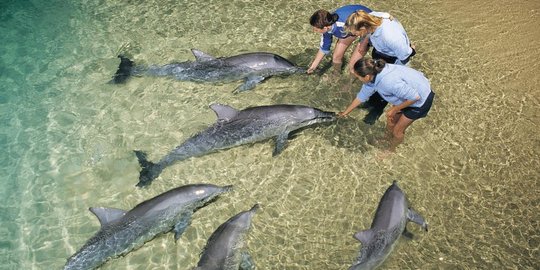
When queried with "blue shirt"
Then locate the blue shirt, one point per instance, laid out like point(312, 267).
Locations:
point(337, 28)
point(396, 84)
point(391, 39)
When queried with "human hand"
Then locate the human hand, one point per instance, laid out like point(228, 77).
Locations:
point(341, 114)
point(392, 112)
point(310, 70)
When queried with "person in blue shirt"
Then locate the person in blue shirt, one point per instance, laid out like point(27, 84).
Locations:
point(385, 34)
point(329, 25)
point(389, 41)
point(408, 91)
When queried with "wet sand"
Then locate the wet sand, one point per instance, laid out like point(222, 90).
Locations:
point(471, 167)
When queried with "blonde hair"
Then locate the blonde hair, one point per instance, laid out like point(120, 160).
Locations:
point(361, 19)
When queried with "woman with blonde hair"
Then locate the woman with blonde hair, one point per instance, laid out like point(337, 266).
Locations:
point(387, 36)
point(389, 41)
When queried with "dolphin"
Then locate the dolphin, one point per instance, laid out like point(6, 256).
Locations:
point(122, 232)
point(253, 68)
point(223, 251)
point(235, 128)
point(389, 223)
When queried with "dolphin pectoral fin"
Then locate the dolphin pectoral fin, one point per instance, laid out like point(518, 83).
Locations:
point(417, 218)
point(202, 56)
point(181, 225)
point(249, 84)
point(281, 143)
point(107, 215)
point(364, 236)
point(246, 262)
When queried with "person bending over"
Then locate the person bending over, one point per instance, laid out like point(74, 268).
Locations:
point(329, 25)
point(389, 41)
point(408, 91)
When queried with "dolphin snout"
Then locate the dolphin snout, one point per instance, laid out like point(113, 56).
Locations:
point(226, 188)
point(327, 116)
point(300, 70)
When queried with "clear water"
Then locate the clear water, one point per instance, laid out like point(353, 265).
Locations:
point(471, 167)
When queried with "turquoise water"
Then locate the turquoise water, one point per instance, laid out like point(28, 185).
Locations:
point(471, 168)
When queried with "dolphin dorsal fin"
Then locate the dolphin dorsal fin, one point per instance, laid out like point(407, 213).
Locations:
point(364, 236)
point(224, 112)
point(107, 215)
point(202, 56)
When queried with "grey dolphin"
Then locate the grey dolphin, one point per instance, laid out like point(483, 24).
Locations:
point(389, 223)
point(235, 128)
point(224, 249)
point(123, 231)
point(253, 68)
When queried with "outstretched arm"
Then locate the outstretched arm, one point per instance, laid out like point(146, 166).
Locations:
point(355, 103)
point(318, 58)
point(324, 49)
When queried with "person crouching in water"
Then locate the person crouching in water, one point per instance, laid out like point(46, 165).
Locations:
point(389, 41)
point(408, 91)
point(329, 25)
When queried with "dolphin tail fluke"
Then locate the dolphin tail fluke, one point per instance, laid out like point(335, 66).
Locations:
point(124, 70)
point(150, 170)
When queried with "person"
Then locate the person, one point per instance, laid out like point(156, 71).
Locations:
point(389, 41)
point(407, 89)
point(329, 25)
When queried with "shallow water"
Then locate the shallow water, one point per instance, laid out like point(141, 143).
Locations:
point(470, 168)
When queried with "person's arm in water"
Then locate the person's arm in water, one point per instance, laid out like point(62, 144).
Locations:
point(355, 103)
point(324, 49)
point(318, 58)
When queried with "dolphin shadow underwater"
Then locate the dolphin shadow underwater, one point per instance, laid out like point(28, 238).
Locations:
point(253, 68)
point(234, 128)
point(123, 231)
point(388, 225)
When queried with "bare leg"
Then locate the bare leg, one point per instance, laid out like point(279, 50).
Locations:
point(339, 51)
point(398, 131)
point(391, 123)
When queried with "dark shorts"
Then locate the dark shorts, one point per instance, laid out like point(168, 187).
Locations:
point(389, 59)
point(419, 112)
